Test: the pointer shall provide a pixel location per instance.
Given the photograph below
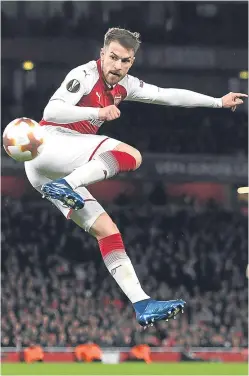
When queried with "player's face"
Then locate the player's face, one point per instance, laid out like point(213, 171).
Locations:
point(116, 61)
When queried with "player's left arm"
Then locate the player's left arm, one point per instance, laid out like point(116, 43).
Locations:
point(140, 91)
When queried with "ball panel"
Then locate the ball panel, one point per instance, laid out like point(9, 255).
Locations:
point(19, 155)
point(33, 145)
point(26, 121)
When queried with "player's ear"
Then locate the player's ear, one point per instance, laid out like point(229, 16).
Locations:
point(133, 60)
point(102, 53)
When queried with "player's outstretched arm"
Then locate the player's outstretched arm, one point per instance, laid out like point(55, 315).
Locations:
point(138, 90)
point(232, 100)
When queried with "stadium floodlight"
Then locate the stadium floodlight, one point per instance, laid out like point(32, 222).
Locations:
point(28, 65)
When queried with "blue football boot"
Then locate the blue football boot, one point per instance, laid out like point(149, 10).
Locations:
point(60, 190)
point(150, 311)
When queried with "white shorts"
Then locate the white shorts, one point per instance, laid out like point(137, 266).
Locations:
point(63, 152)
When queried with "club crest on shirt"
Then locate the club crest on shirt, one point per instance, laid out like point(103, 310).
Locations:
point(117, 99)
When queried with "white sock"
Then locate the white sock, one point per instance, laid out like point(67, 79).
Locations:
point(101, 168)
point(119, 265)
point(90, 173)
point(125, 276)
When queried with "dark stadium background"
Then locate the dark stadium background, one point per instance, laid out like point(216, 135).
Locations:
point(183, 221)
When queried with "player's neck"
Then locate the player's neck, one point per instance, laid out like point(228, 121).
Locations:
point(110, 87)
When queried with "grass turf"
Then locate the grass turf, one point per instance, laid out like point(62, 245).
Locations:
point(237, 369)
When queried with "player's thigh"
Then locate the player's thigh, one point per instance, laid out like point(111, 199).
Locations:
point(34, 176)
point(36, 179)
point(65, 150)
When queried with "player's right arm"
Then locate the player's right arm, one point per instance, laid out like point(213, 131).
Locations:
point(62, 107)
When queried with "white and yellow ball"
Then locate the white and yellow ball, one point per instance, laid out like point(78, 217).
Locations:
point(23, 139)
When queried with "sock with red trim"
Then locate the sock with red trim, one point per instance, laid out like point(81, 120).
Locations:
point(119, 265)
point(104, 166)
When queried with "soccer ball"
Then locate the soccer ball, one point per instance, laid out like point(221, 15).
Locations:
point(23, 139)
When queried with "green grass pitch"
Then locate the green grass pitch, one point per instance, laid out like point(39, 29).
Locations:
point(153, 369)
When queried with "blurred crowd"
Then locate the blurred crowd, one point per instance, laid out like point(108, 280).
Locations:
point(153, 128)
point(56, 290)
point(159, 22)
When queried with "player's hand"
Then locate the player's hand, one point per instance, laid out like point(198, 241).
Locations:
point(109, 113)
point(232, 100)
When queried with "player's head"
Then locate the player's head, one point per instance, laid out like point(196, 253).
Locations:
point(118, 53)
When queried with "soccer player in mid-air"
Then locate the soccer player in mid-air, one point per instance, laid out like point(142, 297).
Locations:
point(74, 155)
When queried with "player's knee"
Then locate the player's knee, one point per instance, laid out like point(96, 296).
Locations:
point(132, 151)
point(103, 227)
point(138, 158)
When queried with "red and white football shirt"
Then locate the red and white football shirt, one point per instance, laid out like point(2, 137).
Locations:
point(84, 87)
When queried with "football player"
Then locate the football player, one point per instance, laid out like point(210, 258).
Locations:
point(74, 155)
